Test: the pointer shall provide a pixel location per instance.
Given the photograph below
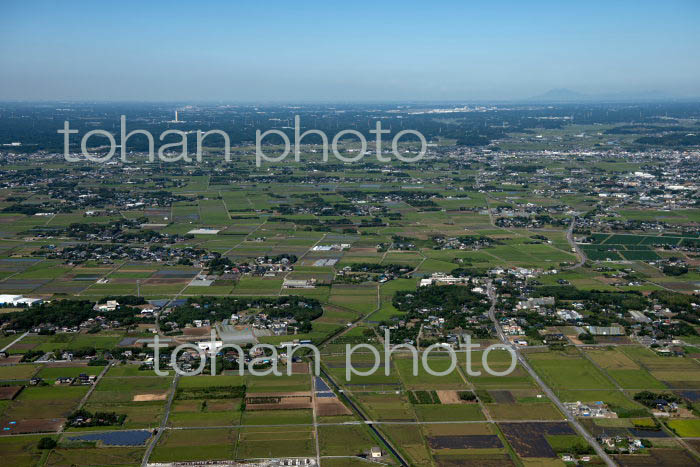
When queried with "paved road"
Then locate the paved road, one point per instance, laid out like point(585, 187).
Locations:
point(313, 411)
point(574, 422)
point(94, 385)
point(163, 423)
point(622, 390)
point(354, 422)
point(14, 342)
point(574, 245)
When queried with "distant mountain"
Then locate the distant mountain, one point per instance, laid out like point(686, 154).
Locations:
point(560, 95)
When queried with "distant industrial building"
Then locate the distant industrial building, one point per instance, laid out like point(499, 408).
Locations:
point(19, 300)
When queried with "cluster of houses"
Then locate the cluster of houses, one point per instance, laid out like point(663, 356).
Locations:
point(620, 444)
point(81, 380)
point(108, 253)
point(347, 274)
point(462, 243)
point(595, 410)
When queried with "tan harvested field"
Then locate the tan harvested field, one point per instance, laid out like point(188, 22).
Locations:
point(150, 397)
point(300, 368)
point(203, 331)
point(12, 359)
point(449, 397)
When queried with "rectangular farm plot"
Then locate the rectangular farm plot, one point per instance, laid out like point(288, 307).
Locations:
point(653, 362)
point(278, 401)
point(206, 415)
point(17, 372)
point(274, 384)
point(625, 371)
point(674, 372)
point(97, 456)
point(258, 286)
point(146, 415)
point(195, 445)
point(7, 393)
point(409, 440)
point(41, 402)
point(657, 457)
point(498, 361)
point(386, 406)
point(349, 440)
point(22, 286)
point(273, 442)
point(486, 460)
point(128, 370)
point(612, 359)
point(535, 411)
point(465, 442)
point(336, 315)
point(530, 439)
point(517, 379)
point(362, 300)
point(20, 451)
point(278, 417)
point(131, 389)
point(568, 371)
point(440, 413)
point(424, 380)
point(378, 381)
point(685, 428)
point(636, 379)
point(204, 381)
point(213, 212)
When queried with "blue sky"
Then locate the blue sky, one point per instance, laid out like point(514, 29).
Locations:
point(345, 51)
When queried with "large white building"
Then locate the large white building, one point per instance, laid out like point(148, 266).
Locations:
point(18, 300)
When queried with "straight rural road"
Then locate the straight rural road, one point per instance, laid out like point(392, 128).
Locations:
point(14, 342)
point(577, 249)
point(163, 423)
point(547, 390)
